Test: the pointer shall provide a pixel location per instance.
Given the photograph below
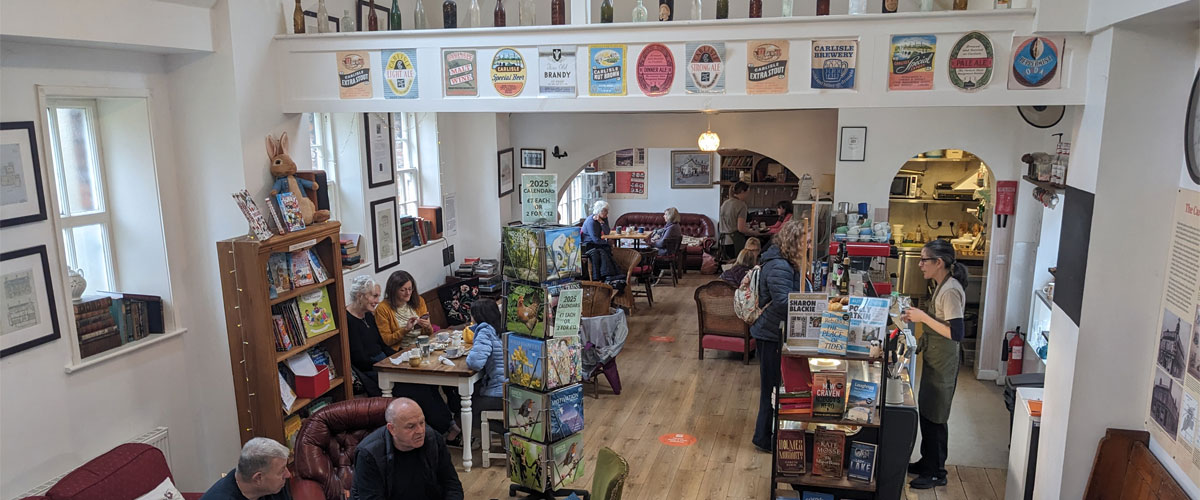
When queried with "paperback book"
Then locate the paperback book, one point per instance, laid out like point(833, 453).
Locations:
point(868, 322)
point(302, 272)
point(828, 446)
point(813, 495)
point(258, 225)
point(861, 401)
point(289, 211)
point(862, 461)
point(316, 312)
point(835, 328)
point(804, 320)
point(789, 449)
point(829, 394)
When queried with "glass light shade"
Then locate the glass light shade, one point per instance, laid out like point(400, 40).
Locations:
point(709, 141)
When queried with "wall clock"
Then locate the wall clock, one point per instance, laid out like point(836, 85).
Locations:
point(1191, 131)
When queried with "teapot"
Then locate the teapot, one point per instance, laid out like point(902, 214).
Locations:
point(78, 284)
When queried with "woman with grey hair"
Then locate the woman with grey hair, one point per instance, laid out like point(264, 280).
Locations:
point(366, 345)
point(598, 249)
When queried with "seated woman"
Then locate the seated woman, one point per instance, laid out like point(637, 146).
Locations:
point(487, 356)
point(598, 249)
point(366, 346)
point(784, 210)
point(668, 238)
point(746, 260)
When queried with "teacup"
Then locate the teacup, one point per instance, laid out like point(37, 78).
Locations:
point(452, 352)
point(443, 337)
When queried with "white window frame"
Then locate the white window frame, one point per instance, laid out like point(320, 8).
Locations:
point(321, 141)
point(404, 132)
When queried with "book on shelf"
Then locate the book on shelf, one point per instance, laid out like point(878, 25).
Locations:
point(795, 374)
point(789, 449)
point(319, 272)
point(152, 314)
point(835, 329)
point(103, 332)
point(283, 338)
point(291, 427)
point(805, 311)
point(258, 225)
point(321, 357)
point(289, 211)
point(315, 311)
point(815, 495)
point(868, 322)
point(829, 394)
point(828, 446)
point(861, 400)
point(286, 394)
point(292, 325)
point(93, 305)
point(275, 220)
point(301, 268)
point(279, 274)
point(862, 461)
point(319, 403)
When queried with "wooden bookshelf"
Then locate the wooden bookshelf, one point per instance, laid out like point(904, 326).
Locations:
point(808, 418)
point(246, 293)
point(841, 483)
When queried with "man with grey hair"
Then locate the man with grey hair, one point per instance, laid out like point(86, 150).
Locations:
point(261, 474)
point(404, 460)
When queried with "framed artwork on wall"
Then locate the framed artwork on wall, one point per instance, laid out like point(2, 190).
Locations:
point(364, 10)
point(691, 169)
point(29, 316)
point(381, 167)
point(533, 158)
point(310, 22)
point(22, 199)
point(504, 161)
point(1191, 131)
point(384, 234)
point(853, 144)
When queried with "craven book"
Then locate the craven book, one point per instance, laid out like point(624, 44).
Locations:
point(835, 329)
point(789, 450)
point(829, 394)
point(862, 461)
point(827, 452)
point(860, 404)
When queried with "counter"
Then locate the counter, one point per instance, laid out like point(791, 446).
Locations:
point(1023, 447)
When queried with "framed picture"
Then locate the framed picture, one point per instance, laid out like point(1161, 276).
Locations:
point(29, 316)
point(310, 22)
point(1191, 132)
point(533, 158)
point(691, 169)
point(504, 161)
point(22, 199)
point(383, 231)
point(364, 10)
point(853, 144)
point(381, 167)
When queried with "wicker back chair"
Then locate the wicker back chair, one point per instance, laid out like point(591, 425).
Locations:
point(719, 327)
point(628, 260)
point(597, 298)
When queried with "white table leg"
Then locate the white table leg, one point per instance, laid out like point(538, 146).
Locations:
point(465, 390)
point(385, 384)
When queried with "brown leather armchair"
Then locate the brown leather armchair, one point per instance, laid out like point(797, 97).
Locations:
point(326, 447)
point(697, 225)
point(719, 327)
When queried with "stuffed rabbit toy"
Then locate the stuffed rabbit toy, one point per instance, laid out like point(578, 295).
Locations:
point(283, 169)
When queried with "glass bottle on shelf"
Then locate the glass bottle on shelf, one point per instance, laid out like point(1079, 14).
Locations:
point(394, 18)
point(666, 10)
point(822, 7)
point(322, 18)
point(639, 12)
point(558, 12)
point(606, 11)
point(420, 22)
point(697, 10)
point(722, 9)
point(960, 4)
point(449, 14)
point(926, 5)
point(498, 17)
point(348, 24)
point(527, 11)
point(889, 6)
point(755, 9)
point(298, 19)
point(473, 15)
point(372, 18)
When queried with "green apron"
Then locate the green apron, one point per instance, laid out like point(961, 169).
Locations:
point(939, 372)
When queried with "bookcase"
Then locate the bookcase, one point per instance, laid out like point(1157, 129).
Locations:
point(246, 287)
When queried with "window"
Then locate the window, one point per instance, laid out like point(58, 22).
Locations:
point(324, 156)
point(408, 170)
point(84, 214)
point(577, 199)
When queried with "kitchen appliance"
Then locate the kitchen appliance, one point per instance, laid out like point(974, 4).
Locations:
point(906, 266)
point(906, 186)
point(947, 191)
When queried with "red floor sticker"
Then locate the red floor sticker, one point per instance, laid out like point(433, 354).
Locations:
point(677, 439)
point(661, 338)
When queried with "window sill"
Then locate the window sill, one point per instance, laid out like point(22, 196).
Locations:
point(426, 245)
point(360, 265)
point(73, 367)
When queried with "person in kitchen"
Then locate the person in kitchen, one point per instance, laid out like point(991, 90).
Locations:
point(943, 331)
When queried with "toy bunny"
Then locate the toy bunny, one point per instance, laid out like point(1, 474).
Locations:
point(283, 169)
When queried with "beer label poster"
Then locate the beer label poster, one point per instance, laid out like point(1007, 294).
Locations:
point(971, 62)
point(655, 69)
point(400, 74)
point(508, 72)
point(705, 68)
point(1035, 62)
point(833, 63)
point(912, 62)
point(354, 75)
point(766, 67)
point(607, 66)
point(557, 71)
point(461, 68)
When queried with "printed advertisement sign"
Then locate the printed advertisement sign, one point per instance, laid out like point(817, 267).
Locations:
point(567, 314)
point(460, 70)
point(655, 69)
point(912, 62)
point(557, 67)
point(833, 63)
point(539, 198)
point(766, 66)
point(971, 62)
point(607, 65)
point(1035, 63)
point(508, 72)
point(705, 68)
point(354, 74)
point(400, 74)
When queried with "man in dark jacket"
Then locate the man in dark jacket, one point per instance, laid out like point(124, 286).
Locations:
point(405, 459)
point(776, 279)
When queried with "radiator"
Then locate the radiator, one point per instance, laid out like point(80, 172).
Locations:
point(156, 437)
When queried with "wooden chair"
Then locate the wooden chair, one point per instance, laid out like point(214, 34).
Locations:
point(719, 327)
point(611, 472)
point(628, 260)
point(1126, 470)
point(597, 298)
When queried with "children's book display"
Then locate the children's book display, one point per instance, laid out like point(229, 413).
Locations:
point(290, 270)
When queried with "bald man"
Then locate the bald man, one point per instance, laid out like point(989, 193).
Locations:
point(405, 459)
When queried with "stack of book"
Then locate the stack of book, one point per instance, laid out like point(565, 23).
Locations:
point(488, 272)
point(414, 232)
point(349, 249)
point(795, 395)
point(466, 269)
point(96, 327)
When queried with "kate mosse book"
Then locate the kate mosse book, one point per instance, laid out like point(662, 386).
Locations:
point(829, 394)
point(828, 446)
point(862, 461)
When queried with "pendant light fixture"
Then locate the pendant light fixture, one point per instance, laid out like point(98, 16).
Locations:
point(709, 141)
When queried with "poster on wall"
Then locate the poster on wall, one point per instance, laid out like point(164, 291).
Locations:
point(623, 159)
point(539, 198)
point(911, 64)
point(971, 62)
point(22, 199)
point(607, 65)
point(691, 169)
point(655, 70)
point(766, 67)
point(29, 317)
point(625, 185)
point(833, 63)
point(354, 74)
point(508, 72)
point(460, 69)
point(1035, 61)
point(400, 74)
point(705, 68)
point(557, 67)
point(1175, 384)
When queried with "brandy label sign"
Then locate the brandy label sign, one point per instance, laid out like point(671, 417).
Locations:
point(399, 74)
point(833, 63)
point(655, 69)
point(508, 72)
point(911, 62)
point(1035, 62)
point(971, 62)
point(461, 69)
point(766, 66)
point(705, 68)
point(354, 74)
point(607, 66)
point(557, 71)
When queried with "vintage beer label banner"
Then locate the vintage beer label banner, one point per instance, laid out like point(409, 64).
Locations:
point(833, 63)
point(354, 74)
point(911, 62)
point(400, 74)
point(766, 67)
point(508, 72)
point(705, 68)
point(971, 62)
point(460, 69)
point(556, 67)
point(607, 65)
point(655, 69)
point(1035, 62)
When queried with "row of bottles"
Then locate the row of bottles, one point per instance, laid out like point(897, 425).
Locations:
point(666, 8)
point(558, 12)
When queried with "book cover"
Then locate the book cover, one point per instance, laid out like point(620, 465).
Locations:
point(829, 394)
point(835, 328)
point(862, 461)
point(316, 313)
point(564, 361)
point(860, 402)
point(289, 210)
point(283, 340)
point(526, 312)
point(291, 427)
point(868, 322)
point(527, 462)
point(566, 412)
point(812, 495)
point(805, 311)
point(318, 269)
point(795, 374)
point(258, 225)
point(280, 271)
point(827, 452)
point(524, 363)
point(525, 412)
point(302, 273)
point(273, 209)
point(789, 452)
point(566, 461)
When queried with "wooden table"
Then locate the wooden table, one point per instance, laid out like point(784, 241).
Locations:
point(436, 373)
point(637, 238)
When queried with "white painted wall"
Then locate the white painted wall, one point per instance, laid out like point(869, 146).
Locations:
point(1104, 13)
point(144, 25)
point(468, 155)
point(659, 196)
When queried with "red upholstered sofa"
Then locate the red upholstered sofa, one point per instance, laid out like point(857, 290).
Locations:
point(697, 225)
point(125, 472)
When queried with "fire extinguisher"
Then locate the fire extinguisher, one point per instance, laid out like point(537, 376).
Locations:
point(1014, 350)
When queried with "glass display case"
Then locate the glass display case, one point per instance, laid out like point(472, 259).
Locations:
point(821, 215)
point(1037, 338)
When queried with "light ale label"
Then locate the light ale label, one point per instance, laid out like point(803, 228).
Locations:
point(399, 74)
point(655, 69)
point(508, 72)
point(607, 65)
point(911, 62)
point(1035, 63)
point(833, 63)
point(766, 66)
point(971, 62)
point(705, 68)
point(354, 74)
point(460, 68)
point(556, 66)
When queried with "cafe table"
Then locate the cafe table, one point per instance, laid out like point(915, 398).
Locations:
point(433, 372)
point(637, 238)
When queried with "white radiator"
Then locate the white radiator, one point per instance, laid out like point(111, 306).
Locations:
point(156, 437)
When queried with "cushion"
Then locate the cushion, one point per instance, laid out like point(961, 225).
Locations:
point(691, 241)
point(126, 471)
point(640, 270)
point(456, 300)
point(164, 491)
point(722, 343)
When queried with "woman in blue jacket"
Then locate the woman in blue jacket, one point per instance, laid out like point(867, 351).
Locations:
point(778, 277)
point(487, 355)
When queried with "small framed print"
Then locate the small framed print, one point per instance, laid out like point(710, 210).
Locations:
point(533, 158)
point(381, 166)
point(507, 177)
point(384, 234)
point(29, 317)
point(22, 199)
point(310, 23)
point(853, 144)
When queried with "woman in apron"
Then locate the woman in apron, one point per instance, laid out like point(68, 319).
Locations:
point(939, 373)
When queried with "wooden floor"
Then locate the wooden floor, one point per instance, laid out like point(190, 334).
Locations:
point(667, 390)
